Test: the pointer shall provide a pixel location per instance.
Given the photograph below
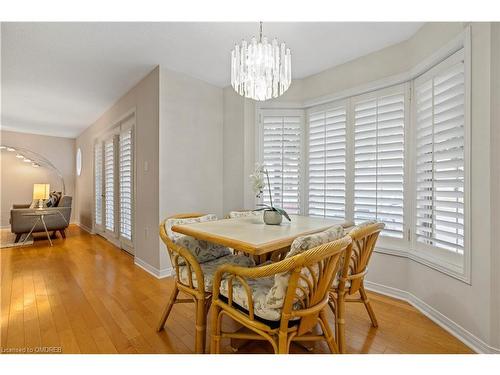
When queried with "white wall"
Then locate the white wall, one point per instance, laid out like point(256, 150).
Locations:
point(144, 98)
point(17, 178)
point(233, 173)
point(191, 147)
point(468, 306)
point(495, 182)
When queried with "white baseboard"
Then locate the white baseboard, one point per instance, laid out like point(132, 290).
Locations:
point(444, 322)
point(84, 227)
point(159, 274)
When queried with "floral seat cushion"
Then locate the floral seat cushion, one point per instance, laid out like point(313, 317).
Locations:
point(204, 251)
point(268, 293)
point(259, 289)
point(209, 268)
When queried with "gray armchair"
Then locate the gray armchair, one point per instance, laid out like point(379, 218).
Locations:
point(20, 223)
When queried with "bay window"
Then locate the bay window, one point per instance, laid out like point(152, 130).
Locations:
point(398, 155)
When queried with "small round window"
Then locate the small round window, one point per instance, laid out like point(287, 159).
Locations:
point(78, 161)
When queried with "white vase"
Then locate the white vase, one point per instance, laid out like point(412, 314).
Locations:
point(272, 217)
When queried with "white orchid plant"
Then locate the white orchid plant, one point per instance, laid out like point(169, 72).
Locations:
point(258, 179)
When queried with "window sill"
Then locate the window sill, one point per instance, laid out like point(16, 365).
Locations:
point(452, 270)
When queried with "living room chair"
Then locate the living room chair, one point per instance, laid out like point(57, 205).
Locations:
point(350, 277)
point(195, 263)
point(284, 301)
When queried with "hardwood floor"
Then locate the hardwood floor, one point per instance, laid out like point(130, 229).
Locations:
point(86, 296)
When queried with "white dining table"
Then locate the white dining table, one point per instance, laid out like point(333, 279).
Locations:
point(251, 235)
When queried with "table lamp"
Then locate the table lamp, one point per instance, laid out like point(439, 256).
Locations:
point(41, 192)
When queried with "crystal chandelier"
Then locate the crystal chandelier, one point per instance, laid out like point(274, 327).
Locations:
point(261, 70)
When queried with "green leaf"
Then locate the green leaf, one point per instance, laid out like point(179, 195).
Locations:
point(266, 206)
point(282, 212)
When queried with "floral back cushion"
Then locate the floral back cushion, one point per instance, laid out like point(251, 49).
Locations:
point(237, 214)
point(354, 244)
point(276, 296)
point(203, 251)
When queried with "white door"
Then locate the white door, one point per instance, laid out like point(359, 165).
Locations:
point(98, 188)
point(114, 185)
point(126, 185)
point(109, 188)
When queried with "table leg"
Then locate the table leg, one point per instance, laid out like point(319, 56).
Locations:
point(31, 231)
point(46, 231)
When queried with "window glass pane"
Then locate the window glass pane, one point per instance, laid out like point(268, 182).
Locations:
point(281, 157)
point(327, 163)
point(109, 183)
point(126, 184)
point(98, 182)
point(440, 115)
point(379, 162)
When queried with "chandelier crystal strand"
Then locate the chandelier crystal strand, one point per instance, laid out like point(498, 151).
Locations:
point(261, 70)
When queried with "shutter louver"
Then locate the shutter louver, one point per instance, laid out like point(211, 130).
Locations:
point(109, 182)
point(440, 105)
point(98, 183)
point(126, 183)
point(379, 162)
point(281, 158)
point(327, 163)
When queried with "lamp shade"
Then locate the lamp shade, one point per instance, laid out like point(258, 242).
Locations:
point(41, 191)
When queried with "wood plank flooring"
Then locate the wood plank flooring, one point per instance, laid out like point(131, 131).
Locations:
point(86, 296)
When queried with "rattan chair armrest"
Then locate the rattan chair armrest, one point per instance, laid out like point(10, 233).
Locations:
point(355, 276)
point(175, 251)
point(257, 272)
point(285, 265)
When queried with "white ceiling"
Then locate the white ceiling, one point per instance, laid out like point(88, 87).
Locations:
point(58, 78)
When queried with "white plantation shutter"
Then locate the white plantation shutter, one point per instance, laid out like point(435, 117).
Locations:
point(126, 183)
point(399, 155)
point(281, 148)
point(327, 162)
point(440, 121)
point(379, 136)
point(98, 183)
point(109, 184)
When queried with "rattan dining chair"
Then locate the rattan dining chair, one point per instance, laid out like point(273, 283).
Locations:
point(195, 263)
point(280, 302)
point(350, 278)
